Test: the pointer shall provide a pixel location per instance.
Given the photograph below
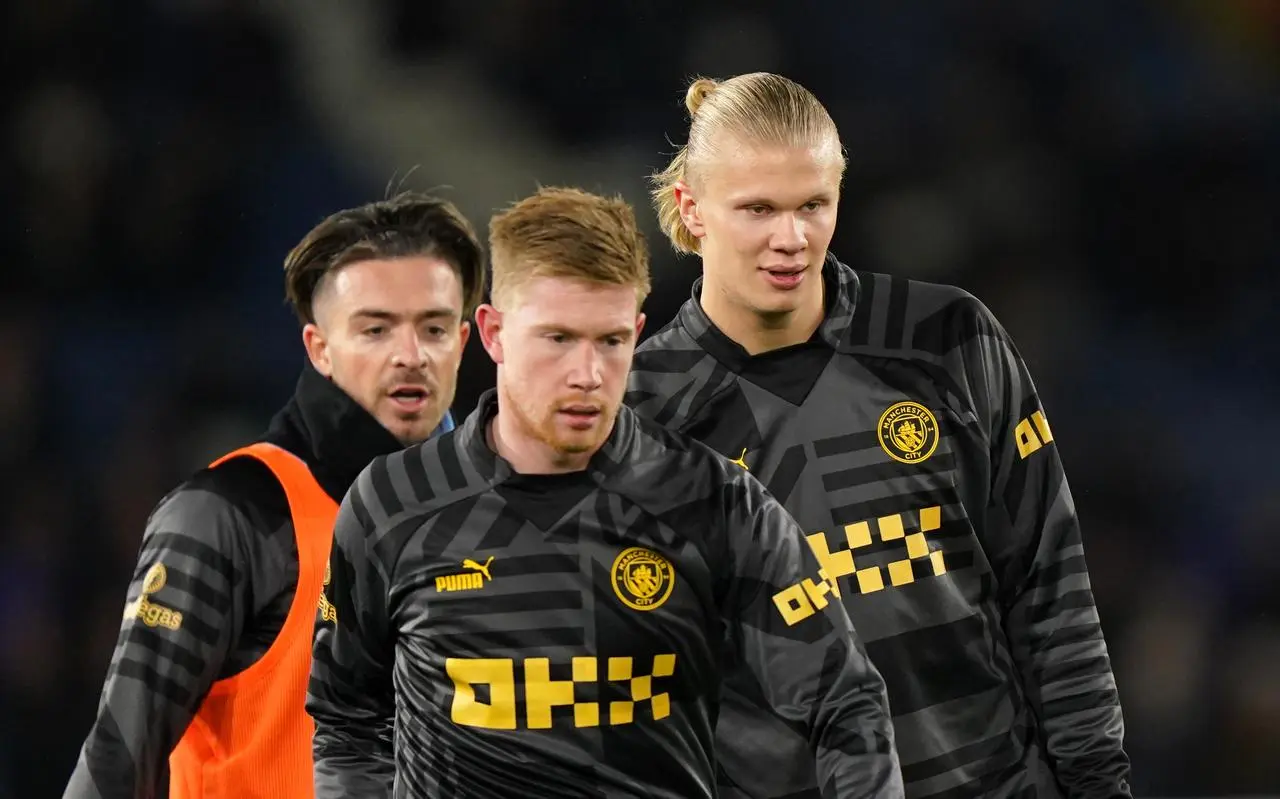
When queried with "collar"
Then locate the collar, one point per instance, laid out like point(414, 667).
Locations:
point(841, 288)
point(331, 432)
point(472, 434)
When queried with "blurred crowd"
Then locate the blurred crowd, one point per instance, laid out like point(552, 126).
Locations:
point(1104, 175)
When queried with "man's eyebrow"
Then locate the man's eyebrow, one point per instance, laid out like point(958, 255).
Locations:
point(620, 332)
point(391, 316)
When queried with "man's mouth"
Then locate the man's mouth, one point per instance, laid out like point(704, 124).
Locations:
point(580, 416)
point(581, 410)
point(784, 277)
point(410, 397)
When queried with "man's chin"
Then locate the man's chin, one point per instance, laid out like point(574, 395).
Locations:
point(573, 448)
point(776, 306)
point(411, 431)
point(575, 443)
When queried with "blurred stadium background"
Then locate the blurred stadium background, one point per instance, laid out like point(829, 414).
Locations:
point(1104, 174)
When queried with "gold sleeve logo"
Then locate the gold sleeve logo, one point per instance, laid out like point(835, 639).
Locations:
point(642, 578)
point(1032, 433)
point(155, 579)
point(148, 612)
point(327, 611)
point(908, 432)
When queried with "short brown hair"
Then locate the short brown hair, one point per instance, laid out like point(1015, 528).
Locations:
point(409, 224)
point(566, 232)
point(759, 108)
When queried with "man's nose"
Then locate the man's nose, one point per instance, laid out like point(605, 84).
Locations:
point(789, 234)
point(585, 373)
point(410, 351)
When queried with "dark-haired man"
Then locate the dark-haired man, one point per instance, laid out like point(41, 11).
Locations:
point(206, 687)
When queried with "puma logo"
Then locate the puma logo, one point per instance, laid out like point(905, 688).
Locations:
point(483, 569)
point(472, 580)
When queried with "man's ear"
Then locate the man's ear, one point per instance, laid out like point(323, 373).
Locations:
point(317, 346)
point(689, 211)
point(489, 325)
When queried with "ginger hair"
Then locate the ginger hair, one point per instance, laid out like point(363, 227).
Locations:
point(567, 232)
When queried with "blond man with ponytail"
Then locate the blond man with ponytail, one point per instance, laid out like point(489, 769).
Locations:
point(896, 421)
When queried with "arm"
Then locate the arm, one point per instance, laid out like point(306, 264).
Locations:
point(174, 640)
point(1033, 539)
point(793, 633)
point(350, 695)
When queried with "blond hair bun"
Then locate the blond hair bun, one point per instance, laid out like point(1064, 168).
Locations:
point(698, 93)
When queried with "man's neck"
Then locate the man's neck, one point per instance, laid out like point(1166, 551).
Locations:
point(759, 333)
point(526, 454)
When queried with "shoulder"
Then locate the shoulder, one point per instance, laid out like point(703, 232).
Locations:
point(672, 337)
point(238, 492)
point(681, 465)
point(922, 317)
point(673, 376)
point(220, 517)
point(677, 476)
point(417, 482)
point(671, 350)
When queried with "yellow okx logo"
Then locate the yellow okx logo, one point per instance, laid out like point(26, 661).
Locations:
point(501, 710)
point(801, 600)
